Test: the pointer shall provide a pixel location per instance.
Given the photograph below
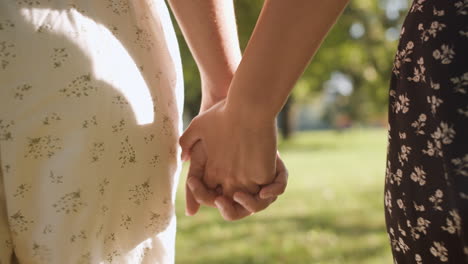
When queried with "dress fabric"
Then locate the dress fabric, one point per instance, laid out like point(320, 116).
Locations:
point(426, 192)
point(91, 96)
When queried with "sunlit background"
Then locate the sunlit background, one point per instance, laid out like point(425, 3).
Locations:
point(333, 140)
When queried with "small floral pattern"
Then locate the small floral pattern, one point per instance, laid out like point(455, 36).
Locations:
point(7, 54)
point(79, 169)
point(80, 86)
point(426, 197)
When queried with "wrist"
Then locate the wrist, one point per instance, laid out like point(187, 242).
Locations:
point(253, 113)
point(213, 91)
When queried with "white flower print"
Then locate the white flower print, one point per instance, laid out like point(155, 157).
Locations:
point(401, 205)
point(418, 259)
point(398, 176)
point(431, 31)
point(402, 57)
point(434, 102)
point(418, 208)
point(434, 149)
point(462, 7)
point(463, 111)
point(463, 33)
point(402, 104)
point(453, 223)
point(435, 86)
point(444, 134)
point(420, 124)
point(418, 175)
point(463, 195)
point(401, 230)
point(417, 6)
point(436, 199)
point(393, 177)
point(461, 165)
point(403, 154)
point(419, 72)
point(388, 202)
point(461, 83)
point(445, 54)
point(439, 251)
point(420, 228)
point(436, 12)
point(399, 244)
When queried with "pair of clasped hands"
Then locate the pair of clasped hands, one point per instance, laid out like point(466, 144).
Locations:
point(234, 165)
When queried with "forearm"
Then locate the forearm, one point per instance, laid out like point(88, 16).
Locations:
point(287, 35)
point(209, 27)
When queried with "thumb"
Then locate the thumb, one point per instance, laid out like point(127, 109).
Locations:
point(188, 139)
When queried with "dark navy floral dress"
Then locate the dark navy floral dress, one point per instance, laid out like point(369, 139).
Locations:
point(426, 193)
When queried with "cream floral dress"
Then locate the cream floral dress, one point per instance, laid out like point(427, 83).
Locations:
point(90, 107)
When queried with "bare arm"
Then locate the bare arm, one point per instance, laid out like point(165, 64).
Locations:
point(209, 27)
point(287, 35)
point(238, 135)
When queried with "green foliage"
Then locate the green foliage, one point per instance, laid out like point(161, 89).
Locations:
point(332, 211)
point(366, 60)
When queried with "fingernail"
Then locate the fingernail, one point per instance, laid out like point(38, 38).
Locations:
point(191, 183)
point(218, 204)
point(265, 195)
point(187, 213)
point(236, 198)
point(183, 156)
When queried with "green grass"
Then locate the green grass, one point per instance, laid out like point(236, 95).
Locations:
point(332, 211)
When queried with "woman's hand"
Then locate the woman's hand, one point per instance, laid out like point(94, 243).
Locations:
point(240, 150)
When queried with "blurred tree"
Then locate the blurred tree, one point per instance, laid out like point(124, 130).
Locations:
point(361, 45)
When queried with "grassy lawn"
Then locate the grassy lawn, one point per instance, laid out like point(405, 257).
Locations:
point(332, 211)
